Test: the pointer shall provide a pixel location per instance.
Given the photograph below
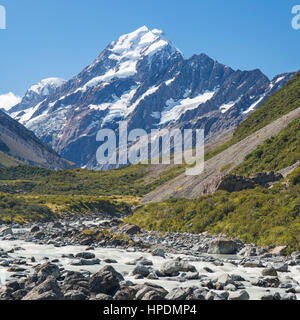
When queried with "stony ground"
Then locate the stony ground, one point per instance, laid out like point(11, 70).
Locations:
point(55, 260)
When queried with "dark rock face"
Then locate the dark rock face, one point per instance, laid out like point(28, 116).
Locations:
point(265, 178)
point(234, 183)
point(157, 89)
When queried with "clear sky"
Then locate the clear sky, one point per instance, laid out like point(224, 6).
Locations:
point(58, 38)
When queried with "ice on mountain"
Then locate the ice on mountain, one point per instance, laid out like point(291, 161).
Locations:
point(174, 109)
point(42, 86)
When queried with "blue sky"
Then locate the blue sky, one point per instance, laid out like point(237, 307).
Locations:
point(58, 38)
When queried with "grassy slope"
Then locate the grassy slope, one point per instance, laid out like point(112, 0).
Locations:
point(28, 208)
point(274, 154)
point(262, 216)
point(7, 161)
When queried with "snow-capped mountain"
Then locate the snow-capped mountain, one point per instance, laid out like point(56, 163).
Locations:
point(143, 78)
point(34, 95)
point(7, 101)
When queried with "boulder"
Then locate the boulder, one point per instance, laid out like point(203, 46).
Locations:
point(142, 261)
point(141, 270)
point(125, 293)
point(75, 295)
point(289, 296)
point(48, 290)
point(102, 297)
point(239, 295)
point(144, 289)
point(130, 229)
point(281, 267)
point(222, 246)
point(279, 251)
point(105, 281)
point(235, 183)
point(158, 252)
point(179, 294)
point(5, 231)
point(85, 255)
point(169, 268)
point(269, 272)
point(35, 229)
point(39, 235)
point(47, 269)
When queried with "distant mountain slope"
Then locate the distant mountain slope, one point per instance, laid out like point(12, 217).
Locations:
point(193, 186)
point(275, 153)
point(34, 95)
point(144, 79)
point(18, 144)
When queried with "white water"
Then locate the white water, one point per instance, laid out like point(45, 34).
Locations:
point(122, 256)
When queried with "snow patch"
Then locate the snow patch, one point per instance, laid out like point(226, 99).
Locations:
point(121, 107)
point(253, 106)
point(175, 109)
point(42, 88)
point(226, 106)
point(170, 81)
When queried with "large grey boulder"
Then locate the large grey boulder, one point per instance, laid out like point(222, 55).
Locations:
point(85, 255)
point(105, 281)
point(47, 269)
point(5, 231)
point(239, 295)
point(222, 246)
point(269, 272)
point(48, 290)
point(170, 268)
point(179, 294)
point(141, 270)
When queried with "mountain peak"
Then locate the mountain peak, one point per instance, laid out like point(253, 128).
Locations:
point(139, 42)
point(41, 86)
point(120, 59)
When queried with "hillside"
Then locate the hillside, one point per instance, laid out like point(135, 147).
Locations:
point(261, 216)
point(266, 122)
point(268, 140)
point(275, 153)
point(19, 145)
point(192, 187)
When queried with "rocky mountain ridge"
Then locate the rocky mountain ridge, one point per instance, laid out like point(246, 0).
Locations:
point(144, 79)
